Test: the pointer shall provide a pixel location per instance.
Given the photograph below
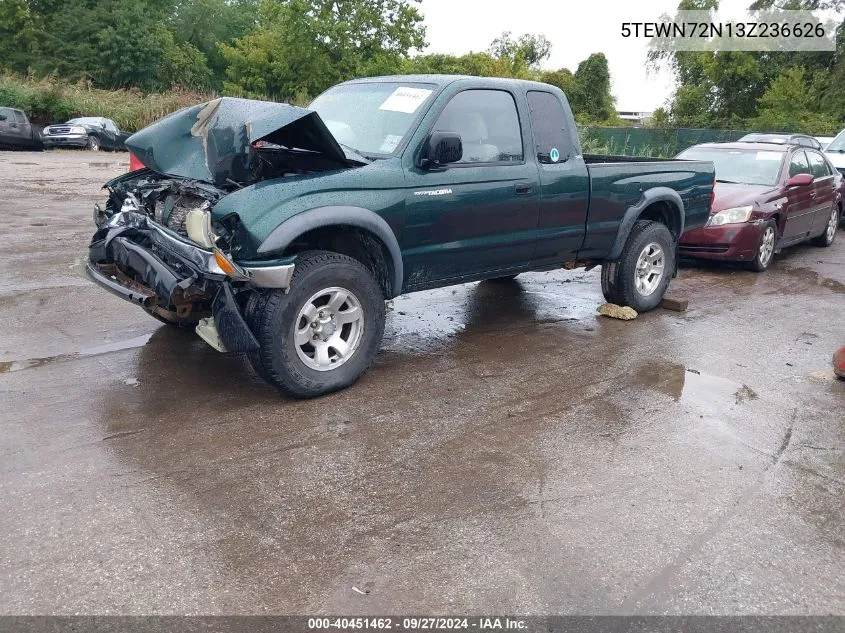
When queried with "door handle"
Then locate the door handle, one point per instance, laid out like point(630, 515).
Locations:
point(523, 189)
point(812, 194)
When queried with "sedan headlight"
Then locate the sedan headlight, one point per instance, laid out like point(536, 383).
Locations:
point(77, 129)
point(736, 215)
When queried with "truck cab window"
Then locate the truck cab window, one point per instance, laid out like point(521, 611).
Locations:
point(549, 122)
point(487, 123)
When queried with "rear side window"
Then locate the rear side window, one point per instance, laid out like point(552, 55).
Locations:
point(487, 123)
point(549, 122)
point(799, 165)
point(818, 166)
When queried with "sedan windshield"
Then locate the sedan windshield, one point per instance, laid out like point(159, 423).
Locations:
point(744, 166)
point(87, 120)
point(372, 118)
point(837, 144)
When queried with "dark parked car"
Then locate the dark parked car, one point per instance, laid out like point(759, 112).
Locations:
point(782, 139)
point(90, 132)
point(16, 131)
point(281, 231)
point(767, 197)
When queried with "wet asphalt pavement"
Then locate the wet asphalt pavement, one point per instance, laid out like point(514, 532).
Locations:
point(509, 451)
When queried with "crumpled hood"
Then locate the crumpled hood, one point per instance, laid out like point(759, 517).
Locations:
point(728, 195)
point(212, 141)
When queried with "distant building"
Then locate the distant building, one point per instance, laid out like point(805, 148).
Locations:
point(638, 119)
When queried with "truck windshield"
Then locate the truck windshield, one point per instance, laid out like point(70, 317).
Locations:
point(372, 118)
point(744, 166)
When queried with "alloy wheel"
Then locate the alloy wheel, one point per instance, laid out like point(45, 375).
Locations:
point(832, 224)
point(329, 328)
point(767, 246)
point(650, 268)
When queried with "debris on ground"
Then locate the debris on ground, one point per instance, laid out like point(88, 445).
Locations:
point(674, 303)
point(363, 593)
point(617, 312)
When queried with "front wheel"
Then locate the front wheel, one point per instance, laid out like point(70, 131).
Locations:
point(765, 248)
point(639, 277)
point(93, 144)
point(325, 333)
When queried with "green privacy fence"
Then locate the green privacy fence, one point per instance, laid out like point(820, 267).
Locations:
point(655, 142)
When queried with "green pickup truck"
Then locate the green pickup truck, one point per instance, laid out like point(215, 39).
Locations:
point(280, 231)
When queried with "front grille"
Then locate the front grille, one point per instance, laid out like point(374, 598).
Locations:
point(58, 130)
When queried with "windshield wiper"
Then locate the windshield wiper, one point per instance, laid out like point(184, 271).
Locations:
point(729, 182)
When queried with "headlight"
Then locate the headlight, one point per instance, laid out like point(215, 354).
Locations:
point(736, 215)
point(198, 227)
point(76, 129)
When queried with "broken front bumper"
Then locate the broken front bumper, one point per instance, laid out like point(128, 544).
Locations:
point(145, 263)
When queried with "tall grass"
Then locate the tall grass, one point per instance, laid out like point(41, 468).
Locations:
point(50, 100)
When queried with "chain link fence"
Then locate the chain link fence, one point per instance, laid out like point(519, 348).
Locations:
point(653, 142)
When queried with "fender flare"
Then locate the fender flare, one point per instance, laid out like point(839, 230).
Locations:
point(282, 236)
point(632, 214)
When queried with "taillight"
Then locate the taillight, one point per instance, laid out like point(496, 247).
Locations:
point(134, 163)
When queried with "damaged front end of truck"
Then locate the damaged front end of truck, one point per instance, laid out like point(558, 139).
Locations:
point(158, 243)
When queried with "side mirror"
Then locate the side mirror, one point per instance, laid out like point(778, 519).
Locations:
point(800, 180)
point(442, 148)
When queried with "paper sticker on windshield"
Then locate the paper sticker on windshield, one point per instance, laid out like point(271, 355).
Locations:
point(389, 144)
point(769, 155)
point(405, 100)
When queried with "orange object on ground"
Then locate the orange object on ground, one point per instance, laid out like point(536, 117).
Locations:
point(839, 363)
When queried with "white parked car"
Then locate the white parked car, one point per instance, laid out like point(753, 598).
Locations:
point(835, 151)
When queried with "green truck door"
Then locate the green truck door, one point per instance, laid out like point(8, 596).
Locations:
point(564, 182)
point(480, 214)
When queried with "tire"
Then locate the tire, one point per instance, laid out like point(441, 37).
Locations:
point(642, 273)
point(765, 248)
point(93, 143)
point(295, 331)
point(608, 282)
point(829, 235)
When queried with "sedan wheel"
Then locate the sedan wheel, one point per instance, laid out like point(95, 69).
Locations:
point(93, 144)
point(826, 238)
point(766, 248)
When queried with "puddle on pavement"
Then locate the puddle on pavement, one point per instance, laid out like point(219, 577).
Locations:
point(693, 387)
point(814, 278)
point(97, 350)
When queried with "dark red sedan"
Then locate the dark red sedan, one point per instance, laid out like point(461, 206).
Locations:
point(767, 197)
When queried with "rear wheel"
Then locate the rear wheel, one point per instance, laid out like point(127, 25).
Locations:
point(826, 238)
point(323, 334)
point(765, 248)
point(639, 277)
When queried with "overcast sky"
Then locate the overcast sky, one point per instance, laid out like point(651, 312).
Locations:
point(576, 29)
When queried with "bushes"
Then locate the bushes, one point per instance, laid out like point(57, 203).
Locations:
point(49, 100)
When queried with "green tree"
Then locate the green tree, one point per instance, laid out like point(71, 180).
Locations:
point(523, 54)
point(304, 47)
point(206, 24)
point(18, 35)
